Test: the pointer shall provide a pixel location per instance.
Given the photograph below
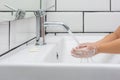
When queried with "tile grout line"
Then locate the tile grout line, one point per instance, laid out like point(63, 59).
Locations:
point(83, 22)
point(40, 4)
point(9, 35)
point(55, 5)
point(110, 5)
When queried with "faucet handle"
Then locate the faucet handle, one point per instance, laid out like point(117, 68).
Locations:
point(10, 7)
point(20, 14)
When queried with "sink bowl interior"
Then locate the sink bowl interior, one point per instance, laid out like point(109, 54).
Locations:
point(47, 65)
point(62, 52)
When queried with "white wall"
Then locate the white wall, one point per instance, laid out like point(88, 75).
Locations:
point(20, 4)
point(82, 5)
point(18, 31)
point(22, 31)
point(17, 4)
point(115, 5)
point(50, 3)
point(4, 37)
point(15, 33)
point(67, 18)
point(101, 21)
point(97, 14)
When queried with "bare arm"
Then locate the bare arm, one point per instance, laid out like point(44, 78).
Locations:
point(110, 37)
point(110, 47)
point(111, 43)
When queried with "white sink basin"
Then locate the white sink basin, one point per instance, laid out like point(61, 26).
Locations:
point(54, 62)
point(63, 53)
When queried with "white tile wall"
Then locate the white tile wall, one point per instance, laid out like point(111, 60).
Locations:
point(22, 31)
point(101, 22)
point(83, 5)
point(74, 20)
point(5, 16)
point(51, 3)
point(29, 14)
point(43, 4)
point(4, 37)
point(20, 4)
point(115, 5)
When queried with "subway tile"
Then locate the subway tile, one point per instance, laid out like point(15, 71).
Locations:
point(29, 14)
point(22, 31)
point(83, 5)
point(6, 16)
point(20, 4)
point(4, 37)
point(44, 4)
point(115, 5)
point(73, 20)
point(49, 4)
point(101, 21)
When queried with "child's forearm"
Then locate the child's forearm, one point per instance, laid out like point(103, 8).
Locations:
point(107, 38)
point(110, 47)
point(110, 37)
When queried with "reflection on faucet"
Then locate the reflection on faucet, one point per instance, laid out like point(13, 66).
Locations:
point(56, 24)
point(20, 14)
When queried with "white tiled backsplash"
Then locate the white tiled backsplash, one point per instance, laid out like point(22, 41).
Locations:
point(49, 4)
point(115, 5)
point(22, 31)
point(15, 33)
point(86, 15)
point(20, 4)
point(101, 21)
point(4, 37)
point(19, 31)
point(74, 20)
point(83, 5)
point(6, 16)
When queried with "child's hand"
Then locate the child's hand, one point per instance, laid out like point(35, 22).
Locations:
point(84, 50)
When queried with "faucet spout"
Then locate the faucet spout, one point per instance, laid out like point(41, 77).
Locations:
point(57, 24)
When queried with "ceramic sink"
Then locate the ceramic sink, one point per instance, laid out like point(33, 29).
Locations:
point(54, 62)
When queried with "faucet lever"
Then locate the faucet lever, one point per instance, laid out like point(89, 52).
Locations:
point(6, 5)
point(20, 14)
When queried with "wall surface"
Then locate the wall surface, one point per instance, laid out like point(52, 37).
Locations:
point(85, 15)
point(14, 33)
point(4, 37)
point(17, 4)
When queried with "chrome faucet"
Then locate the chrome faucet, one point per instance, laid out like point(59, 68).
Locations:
point(40, 18)
point(41, 24)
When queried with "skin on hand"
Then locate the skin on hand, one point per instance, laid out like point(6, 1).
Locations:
point(109, 44)
point(84, 50)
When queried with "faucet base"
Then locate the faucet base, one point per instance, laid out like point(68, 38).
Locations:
point(39, 44)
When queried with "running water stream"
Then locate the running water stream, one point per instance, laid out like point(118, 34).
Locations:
point(83, 60)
